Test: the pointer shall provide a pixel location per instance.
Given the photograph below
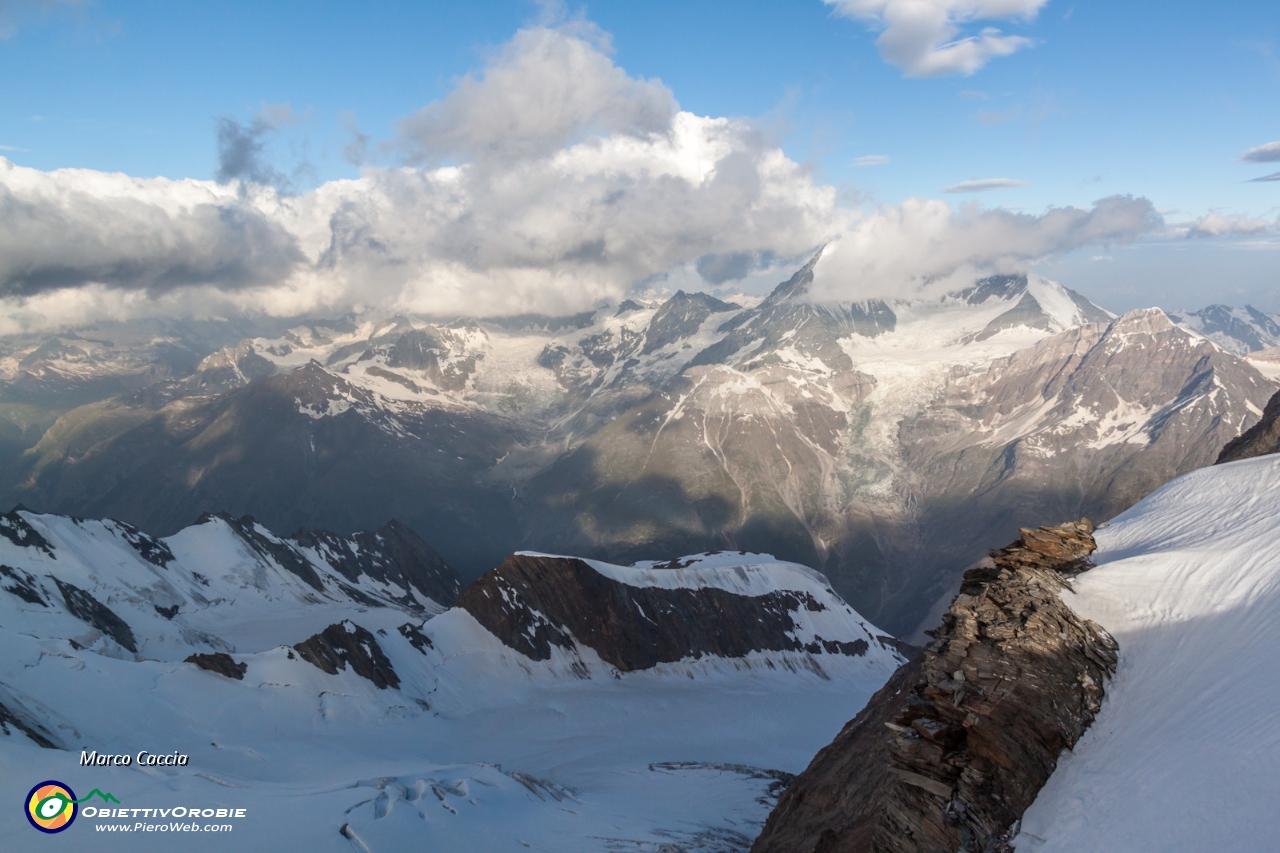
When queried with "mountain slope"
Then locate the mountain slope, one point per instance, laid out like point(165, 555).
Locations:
point(1182, 754)
point(1236, 330)
point(1259, 440)
point(338, 456)
point(1084, 423)
point(883, 442)
point(712, 605)
point(296, 691)
point(890, 457)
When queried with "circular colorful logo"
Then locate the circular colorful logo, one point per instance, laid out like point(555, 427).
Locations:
point(51, 806)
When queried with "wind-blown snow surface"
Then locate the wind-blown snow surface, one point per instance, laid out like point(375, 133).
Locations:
point(1184, 754)
point(479, 749)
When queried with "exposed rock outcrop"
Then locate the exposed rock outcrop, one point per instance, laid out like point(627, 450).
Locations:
point(1012, 678)
point(23, 585)
point(534, 602)
point(824, 806)
point(29, 727)
point(153, 550)
point(347, 643)
point(268, 546)
point(393, 555)
point(86, 608)
point(221, 663)
point(15, 528)
point(1260, 439)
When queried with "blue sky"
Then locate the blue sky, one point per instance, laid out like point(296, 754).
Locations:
point(1153, 100)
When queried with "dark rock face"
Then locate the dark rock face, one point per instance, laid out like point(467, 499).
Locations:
point(347, 643)
point(1260, 439)
point(153, 550)
point(38, 734)
point(533, 603)
point(680, 317)
point(88, 609)
point(1028, 312)
point(23, 585)
point(824, 807)
point(221, 663)
point(787, 318)
point(15, 528)
point(1012, 678)
point(288, 558)
point(416, 638)
point(422, 349)
point(393, 554)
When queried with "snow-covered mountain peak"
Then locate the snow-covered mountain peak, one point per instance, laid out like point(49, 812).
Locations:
point(222, 584)
point(1237, 330)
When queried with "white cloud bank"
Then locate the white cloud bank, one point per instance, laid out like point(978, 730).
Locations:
point(925, 247)
point(552, 182)
point(922, 37)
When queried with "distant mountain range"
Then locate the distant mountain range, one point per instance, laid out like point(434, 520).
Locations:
point(886, 443)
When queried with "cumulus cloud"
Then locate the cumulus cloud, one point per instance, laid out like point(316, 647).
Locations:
point(242, 148)
point(1268, 153)
point(546, 88)
point(985, 185)
point(1238, 225)
point(564, 182)
point(923, 37)
point(925, 247)
point(590, 184)
point(70, 227)
point(1275, 176)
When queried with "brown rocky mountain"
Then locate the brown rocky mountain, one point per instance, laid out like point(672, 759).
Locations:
point(713, 605)
point(891, 476)
point(954, 749)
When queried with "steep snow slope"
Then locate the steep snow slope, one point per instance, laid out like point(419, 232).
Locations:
point(473, 746)
point(223, 585)
point(1183, 755)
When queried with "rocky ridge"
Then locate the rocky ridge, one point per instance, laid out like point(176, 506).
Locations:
point(1013, 677)
point(638, 618)
point(1260, 439)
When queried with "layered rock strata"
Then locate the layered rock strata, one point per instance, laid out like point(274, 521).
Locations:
point(1012, 677)
point(533, 603)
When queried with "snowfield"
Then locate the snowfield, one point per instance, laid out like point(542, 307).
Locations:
point(1185, 753)
point(480, 748)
